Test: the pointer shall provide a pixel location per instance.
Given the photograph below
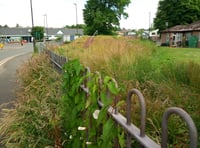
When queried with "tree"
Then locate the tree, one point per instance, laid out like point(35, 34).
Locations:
point(6, 26)
point(79, 26)
point(176, 12)
point(103, 15)
point(37, 32)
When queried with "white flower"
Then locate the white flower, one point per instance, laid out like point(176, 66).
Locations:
point(88, 143)
point(81, 128)
point(96, 114)
point(70, 137)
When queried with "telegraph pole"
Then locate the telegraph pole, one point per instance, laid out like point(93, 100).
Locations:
point(76, 19)
point(34, 46)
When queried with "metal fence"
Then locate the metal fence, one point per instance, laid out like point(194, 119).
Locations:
point(125, 122)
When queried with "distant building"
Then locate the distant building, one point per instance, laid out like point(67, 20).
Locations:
point(182, 35)
point(154, 35)
point(67, 34)
point(16, 34)
point(128, 33)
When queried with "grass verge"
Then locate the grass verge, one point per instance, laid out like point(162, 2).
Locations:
point(34, 121)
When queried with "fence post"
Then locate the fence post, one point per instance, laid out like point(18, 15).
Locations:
point(143, 113)
point(186, 117)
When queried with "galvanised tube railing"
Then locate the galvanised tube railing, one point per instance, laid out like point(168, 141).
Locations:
point(125, 123)
point(186, 117)
point(143, 113)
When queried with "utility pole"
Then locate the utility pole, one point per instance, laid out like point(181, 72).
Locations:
point(34, 46)
point(76, 19)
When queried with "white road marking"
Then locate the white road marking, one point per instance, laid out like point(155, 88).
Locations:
point(9, 58)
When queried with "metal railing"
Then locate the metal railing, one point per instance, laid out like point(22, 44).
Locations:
point(125, 122)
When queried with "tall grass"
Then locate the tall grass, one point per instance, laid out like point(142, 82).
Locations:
point(163, 80)
point(110, 55)
point(164, 75)
point(34, 121)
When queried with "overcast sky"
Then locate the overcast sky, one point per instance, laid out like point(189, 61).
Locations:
point(63, 12)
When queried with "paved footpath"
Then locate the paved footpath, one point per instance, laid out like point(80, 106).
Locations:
point(11, 57)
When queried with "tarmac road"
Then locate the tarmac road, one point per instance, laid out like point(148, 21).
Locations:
point(11, 57)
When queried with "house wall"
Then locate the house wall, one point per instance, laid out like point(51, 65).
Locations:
point(197, 34)
point(164, 37)
point(69, 37)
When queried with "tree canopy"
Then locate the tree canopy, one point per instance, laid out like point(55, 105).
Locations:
point(37, 32)
point(176, 12)
point(79, 26)
point(5, 26)
point(104, 15)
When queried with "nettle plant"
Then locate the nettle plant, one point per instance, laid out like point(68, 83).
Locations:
point(86, 123)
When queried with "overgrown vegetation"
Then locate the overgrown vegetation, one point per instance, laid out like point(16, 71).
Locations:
point(47, 116)
point(83, 120)
point(166, 76)
point(34, 120)
point(43, 117)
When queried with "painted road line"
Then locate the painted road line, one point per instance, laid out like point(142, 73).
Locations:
point(11, 57)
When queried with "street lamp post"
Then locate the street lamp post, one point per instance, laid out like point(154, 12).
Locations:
point(76, 19)
point(44, 29)
point(34, 46)
point(149, 23)
point(45, 24)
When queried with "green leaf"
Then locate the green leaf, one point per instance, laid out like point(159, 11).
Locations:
point(105, 100)
point(102, 116)
point(113, 89)
point(121, 139)
point(88, 102)
point(107, 79)
point(120, 103)
point(109, 133)
point(107, 128)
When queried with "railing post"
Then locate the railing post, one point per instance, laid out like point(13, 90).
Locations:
point(186, 117)
point(87, 71)
point(143, 113)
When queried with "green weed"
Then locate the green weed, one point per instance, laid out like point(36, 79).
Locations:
point(84, 122)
